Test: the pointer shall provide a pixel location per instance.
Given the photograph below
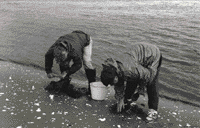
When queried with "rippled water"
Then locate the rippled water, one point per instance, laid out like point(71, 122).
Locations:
point(28, 29)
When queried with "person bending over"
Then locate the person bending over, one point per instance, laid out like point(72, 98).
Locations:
point(76, 47)
point(136, 69)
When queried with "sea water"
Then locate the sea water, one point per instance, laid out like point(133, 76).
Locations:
point(29, 28)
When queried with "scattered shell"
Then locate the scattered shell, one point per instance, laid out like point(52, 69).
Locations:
point(10, 78)
point(7, 99)
point(38, 110)
point(188, 125)
point(3, 110)
point(88, 105)
point(33, 88)
point(53, 119)
point(30, 122)
point(59, 112)
point(38, 118)
point(51, 97)
point(1, 93)
point(180, 125)
point(43, 113)
point(174, 113)
point(37, 104)
point(102, 119)
point(65, 113)
point(118, 126)
point(19, 127)
point(52, 113)
point(139, 118)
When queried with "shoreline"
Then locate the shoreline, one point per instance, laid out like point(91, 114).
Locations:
point(43, 69)
point(25, 85)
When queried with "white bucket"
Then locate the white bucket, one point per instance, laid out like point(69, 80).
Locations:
point(98, 90)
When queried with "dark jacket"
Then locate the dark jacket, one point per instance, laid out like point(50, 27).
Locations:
point(141, 62)
point(74, 44)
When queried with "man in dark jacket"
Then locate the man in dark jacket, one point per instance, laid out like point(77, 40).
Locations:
point(76, 47)
point(137, 68)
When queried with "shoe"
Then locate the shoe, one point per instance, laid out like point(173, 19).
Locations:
point(152, 114)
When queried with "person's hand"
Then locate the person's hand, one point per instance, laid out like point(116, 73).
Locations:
point(51, 75)
point(120, 105)
point(63, 75)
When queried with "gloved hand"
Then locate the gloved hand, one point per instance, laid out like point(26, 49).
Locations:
point(51, 75)
point(63, 75)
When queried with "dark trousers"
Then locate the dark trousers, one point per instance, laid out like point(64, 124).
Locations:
point(152, 89)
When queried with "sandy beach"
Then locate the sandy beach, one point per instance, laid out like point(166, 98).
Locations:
point(25, 104)
point(29, 28)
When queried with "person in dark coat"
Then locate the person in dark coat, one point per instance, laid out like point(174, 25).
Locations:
point(136, 69)
point(76, 47)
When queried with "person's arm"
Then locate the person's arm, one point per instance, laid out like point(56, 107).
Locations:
point(49, 60)
point(119, 91)
point(87, 53)
point(119, 95)
point(77, 64)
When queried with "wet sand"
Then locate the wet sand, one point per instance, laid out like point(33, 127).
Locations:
point(25, 104)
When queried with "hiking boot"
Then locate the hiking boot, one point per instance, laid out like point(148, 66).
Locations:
point(152, 114)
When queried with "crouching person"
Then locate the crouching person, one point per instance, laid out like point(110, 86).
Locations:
point(76, 47)
point(136, 69)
